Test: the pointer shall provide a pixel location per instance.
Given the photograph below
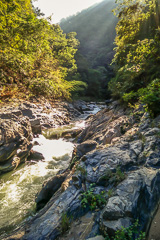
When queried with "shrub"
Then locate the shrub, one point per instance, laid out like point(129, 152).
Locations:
point(151, 97)
point(128, 233)
point(74, 160)
point(89, 198)
point(82, 170)
point(65, 223)
point(113, 178)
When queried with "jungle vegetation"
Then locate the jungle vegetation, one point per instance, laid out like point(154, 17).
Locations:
point(137, 54)
point(36, 57)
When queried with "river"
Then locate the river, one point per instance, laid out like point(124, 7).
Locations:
point(19, 187)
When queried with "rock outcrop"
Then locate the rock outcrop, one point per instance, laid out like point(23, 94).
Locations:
point(15, 137)
point(21, 120)
point(48, 189)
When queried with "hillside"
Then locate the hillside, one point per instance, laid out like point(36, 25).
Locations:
point(95, 28)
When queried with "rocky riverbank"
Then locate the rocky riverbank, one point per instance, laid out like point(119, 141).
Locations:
point(118, 154)
point(21, 120)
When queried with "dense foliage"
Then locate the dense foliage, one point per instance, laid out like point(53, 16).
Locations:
point(137, 57)
point(35, 55)
point(95, 28)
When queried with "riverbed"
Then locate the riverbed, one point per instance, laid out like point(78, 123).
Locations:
point(18, 188)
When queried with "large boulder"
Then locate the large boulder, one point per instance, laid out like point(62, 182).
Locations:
point(15, 137)
point(47, 224)
point(105, 126)
point(81, 106)
point(36, 125)
point(34, 155)
point(61, 132)
point(48, 189)
point(136, 198)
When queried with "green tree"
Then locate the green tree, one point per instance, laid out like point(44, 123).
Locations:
point(137, 53)
point(35, 54)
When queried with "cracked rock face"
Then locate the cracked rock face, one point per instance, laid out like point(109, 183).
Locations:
point(47, 226)
point(135, 198)
point(105, 126)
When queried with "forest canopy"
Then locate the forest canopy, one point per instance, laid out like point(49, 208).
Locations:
point(137, 57)
point(35, 55)
point(37, 58)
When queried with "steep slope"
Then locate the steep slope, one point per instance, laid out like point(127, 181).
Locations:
point(95, 28)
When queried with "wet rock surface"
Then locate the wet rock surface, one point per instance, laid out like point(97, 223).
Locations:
point(81, 106)
point(19, 121)
point(15, 138)
point(86, 147)
point(34, 155)
point(120, 155)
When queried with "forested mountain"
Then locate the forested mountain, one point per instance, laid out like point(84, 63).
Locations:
point(95, 28)
point(36, 57)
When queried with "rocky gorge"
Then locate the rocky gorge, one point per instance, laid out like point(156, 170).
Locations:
point(18, 124)
point(112, 180)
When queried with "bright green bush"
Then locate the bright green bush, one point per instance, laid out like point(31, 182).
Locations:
point(151, 97)
point(89, 198)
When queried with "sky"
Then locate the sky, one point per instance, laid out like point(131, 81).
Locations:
point(63, 8)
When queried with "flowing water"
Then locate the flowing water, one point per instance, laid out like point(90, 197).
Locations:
point(19, 187)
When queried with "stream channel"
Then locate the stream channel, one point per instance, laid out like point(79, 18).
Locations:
point(19, 187)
